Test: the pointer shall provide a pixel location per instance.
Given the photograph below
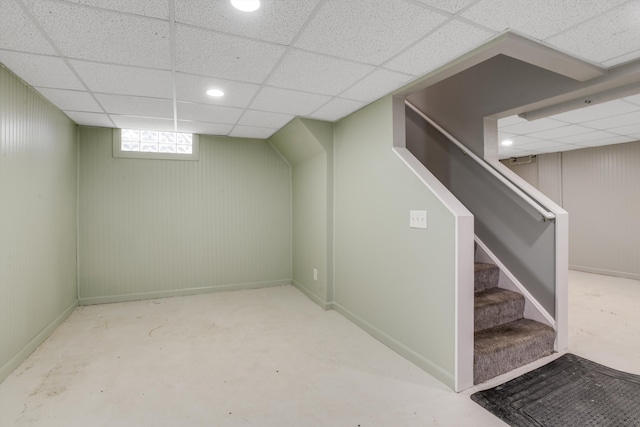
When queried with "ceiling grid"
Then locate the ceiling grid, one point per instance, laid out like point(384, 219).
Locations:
point(148, 64)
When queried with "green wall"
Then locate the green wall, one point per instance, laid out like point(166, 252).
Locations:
point(351, 198)
point(152, 228)
point(308, 147)
point(38, 153)
point(396, 282)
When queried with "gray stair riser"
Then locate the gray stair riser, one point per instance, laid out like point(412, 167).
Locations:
point(506, 347)
point(486, 276)
point(504, 340)
point(506, 360)
point(493, 312)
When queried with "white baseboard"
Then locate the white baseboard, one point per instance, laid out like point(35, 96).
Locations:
point(313, 297)
point(31, 346)
point(422, 362)
point(180, 292)
point(604, 272)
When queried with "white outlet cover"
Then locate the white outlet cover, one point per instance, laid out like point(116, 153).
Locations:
point(418, 219)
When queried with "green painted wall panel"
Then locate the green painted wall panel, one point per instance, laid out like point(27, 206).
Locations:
point(38, 148)
point(308, 147)
point(160, 227)
point(397, 282)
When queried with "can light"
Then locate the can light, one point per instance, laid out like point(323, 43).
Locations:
point(507, 143)
point(217, 93)
point(246, 5)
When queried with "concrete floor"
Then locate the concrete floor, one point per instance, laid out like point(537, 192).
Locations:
point(268, 357)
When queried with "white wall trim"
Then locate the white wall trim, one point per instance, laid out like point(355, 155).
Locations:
point(463, 269)
point(562, 281)
point(32, 345)
point(464, 304)
point(313, 297)
point(464, 231)
point(181, 292)
point(397, 346)
point(605, 272)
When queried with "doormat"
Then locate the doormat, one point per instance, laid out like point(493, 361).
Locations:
point(570, 391)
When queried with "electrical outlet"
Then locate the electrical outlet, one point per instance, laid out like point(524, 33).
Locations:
point(418, 219)
point(315, 274)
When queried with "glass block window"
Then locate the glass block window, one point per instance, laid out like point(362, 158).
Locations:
point(150, 141)
point(151, 144)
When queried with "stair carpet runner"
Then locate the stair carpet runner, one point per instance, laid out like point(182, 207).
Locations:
point(503, 339)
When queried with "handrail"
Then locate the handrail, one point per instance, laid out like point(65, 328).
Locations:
point(546, 214)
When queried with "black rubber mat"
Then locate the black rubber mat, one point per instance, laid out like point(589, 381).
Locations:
point(570, 391)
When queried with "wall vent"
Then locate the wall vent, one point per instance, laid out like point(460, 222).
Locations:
point(522, 160)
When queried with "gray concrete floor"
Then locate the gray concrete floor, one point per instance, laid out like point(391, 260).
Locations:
point(268, 357)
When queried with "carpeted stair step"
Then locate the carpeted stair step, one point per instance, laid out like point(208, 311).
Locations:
point(485, 276)
point(496, 306)
point(506, 347)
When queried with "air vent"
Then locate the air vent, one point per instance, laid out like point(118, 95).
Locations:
point(522, 160)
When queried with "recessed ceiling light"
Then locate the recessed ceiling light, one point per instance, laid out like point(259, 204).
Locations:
point(215, 92)
point(246, 5)
point(507, 142)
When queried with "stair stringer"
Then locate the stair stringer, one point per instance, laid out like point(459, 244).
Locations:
point(532, 308)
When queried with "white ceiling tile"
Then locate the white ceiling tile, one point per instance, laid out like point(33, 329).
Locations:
point(90, 119)
point(560, 132)
point(337, 109)
point(264, 119)
point(315, 73)
point(597, 111)
point(451, 6)
point(136, 105)
point(618, 60)
point(520, 140)
point(626, 130)
point(585, 137)
point(275, 21)
point(539, 19)
point(619, 139)
point(287, 101)
point(17, 31)
point(252, 132)
point(608, 36)
point(558, 149)
point(204, 128)
point(616, 121)
point(151, 8)
point(208, 113)
point(503, 135)
point(376, 85)
point(527, 127)
point(123, 80)
point(143, 123)
point(100, 35)
point(447, 43)
point(40, 70)
point(542, 145)
point(634, 99)
point(368, 31)
point(220, 55)
point(193, 89)
point(72, 100)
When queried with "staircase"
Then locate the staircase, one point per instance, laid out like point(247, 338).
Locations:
point(504, 339)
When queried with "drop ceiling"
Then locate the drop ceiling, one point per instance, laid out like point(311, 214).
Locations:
point(148, 63)
point(612, 122)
